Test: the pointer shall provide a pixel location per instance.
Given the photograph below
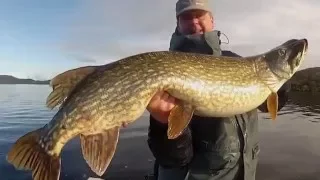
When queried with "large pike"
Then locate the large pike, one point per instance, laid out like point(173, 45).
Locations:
point(97, 100)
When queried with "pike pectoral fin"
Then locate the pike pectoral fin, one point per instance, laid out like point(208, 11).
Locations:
point(98, 149)
point(64, 83)
point(179, 119)
point(272, 104)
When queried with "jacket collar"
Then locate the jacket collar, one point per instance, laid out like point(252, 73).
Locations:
point(208, 43)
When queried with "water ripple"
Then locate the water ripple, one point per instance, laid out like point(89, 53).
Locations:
point(22, 109)
point(305, 106)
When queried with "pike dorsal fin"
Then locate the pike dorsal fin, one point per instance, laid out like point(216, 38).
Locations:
point(64, 83)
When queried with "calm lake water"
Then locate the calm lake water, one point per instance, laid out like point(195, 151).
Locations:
point(290, 146)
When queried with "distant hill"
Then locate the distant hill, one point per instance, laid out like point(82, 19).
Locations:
point(306, 80)
point(6, 79)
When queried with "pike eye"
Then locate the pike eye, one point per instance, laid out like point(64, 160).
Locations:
point(282, 52)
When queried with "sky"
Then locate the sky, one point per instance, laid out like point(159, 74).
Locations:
point(39, 39)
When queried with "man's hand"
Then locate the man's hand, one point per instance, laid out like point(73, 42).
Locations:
point(160, 106)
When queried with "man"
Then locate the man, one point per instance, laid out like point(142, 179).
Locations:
point(210, 148)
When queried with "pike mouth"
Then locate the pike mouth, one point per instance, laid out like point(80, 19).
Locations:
point(306, 46)
point(296, 49)
point(300, 55)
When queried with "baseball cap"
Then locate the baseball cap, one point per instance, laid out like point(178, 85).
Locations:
point(186, 5)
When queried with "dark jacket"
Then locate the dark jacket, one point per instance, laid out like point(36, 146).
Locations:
point(220, 148)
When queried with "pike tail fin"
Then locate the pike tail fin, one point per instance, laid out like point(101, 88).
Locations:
point(27, 154)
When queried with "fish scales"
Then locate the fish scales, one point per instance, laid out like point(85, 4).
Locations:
point(97, 100)
point(122, 93)
point(183, 72)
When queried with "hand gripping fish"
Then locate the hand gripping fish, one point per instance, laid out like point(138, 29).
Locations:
point(97, 100)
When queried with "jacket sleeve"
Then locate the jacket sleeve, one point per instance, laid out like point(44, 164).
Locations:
point(176, 152)
point(169, 153)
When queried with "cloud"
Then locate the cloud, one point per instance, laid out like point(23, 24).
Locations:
point(107, 31)
point(110, 31)
point(273, 23)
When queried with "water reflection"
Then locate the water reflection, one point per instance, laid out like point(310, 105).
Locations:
point(291, 142)
point(308, 104)
point(304, 105)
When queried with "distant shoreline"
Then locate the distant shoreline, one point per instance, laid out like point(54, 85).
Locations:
point(24, 84)
point(7, 79)
point(306, 80)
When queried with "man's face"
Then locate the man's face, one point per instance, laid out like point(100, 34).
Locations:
point(195, 22)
